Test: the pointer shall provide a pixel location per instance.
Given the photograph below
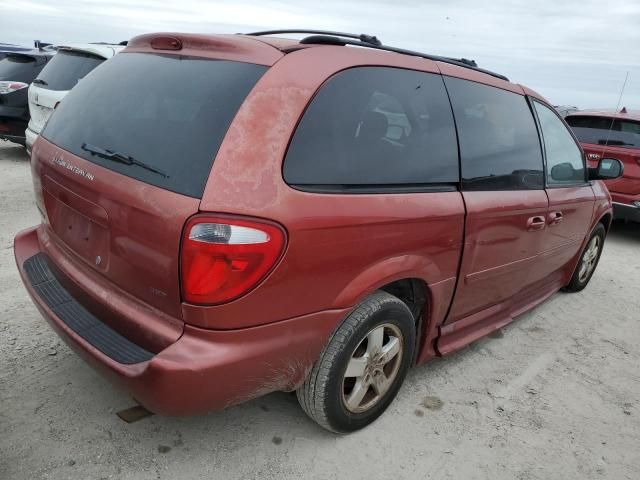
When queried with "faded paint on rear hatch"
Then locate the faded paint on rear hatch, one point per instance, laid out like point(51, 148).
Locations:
point(121, 165)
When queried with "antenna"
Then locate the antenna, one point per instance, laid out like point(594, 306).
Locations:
point(613, 119)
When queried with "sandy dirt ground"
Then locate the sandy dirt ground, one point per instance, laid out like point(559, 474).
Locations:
point(555, 395)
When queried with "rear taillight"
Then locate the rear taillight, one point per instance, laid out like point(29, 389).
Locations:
point(224, 257)
point(10, 87)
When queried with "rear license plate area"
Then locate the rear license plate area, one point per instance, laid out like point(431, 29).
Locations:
point(85, 236)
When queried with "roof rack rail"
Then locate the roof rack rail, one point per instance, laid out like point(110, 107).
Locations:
point(322, 37)
point(461, 62)
point(124, 43)
point(363, 37)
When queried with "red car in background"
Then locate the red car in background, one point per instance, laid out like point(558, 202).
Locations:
point(610, 134)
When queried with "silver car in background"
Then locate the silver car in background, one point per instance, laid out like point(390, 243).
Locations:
point(71, 64)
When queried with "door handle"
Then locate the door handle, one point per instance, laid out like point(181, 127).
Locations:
point(536, 223)
point(555, 218)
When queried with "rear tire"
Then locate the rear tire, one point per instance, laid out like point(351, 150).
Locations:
point(363, 366)
point(588, 260)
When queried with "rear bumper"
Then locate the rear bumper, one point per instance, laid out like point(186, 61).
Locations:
point(12, 129)
point(9, 112)
point(203, 370)
point(30, 139)
point(13, 123)
point(12, 138)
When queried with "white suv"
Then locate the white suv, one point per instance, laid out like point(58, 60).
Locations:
point(62, 73)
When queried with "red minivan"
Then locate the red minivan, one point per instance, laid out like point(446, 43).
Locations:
point(615, 135)
point(225, 216)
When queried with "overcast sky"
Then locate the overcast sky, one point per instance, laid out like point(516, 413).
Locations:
point(574, 52)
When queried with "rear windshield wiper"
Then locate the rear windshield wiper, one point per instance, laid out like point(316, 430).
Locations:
point(39, 81)
point(119, 157)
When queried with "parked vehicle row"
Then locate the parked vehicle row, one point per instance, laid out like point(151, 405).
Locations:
point(224, 216)
point(71, 64)
point(17, 70)
point(7, 48)
point(34, 81)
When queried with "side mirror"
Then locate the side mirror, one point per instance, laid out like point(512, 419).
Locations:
point(607, 169)
point(563, 172)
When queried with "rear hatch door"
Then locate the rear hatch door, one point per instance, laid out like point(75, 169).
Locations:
point(17, 70)
point(123, 162)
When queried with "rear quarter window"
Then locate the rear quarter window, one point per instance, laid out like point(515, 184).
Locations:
point(168, 111)
point(66, 68)
point(499, 144)
point(377, 127)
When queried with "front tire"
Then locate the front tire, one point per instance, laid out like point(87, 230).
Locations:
point(588, 260)
point(363, 366)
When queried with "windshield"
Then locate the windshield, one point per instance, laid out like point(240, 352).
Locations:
point(66, 68)
point(605, 131)
point(168, 112)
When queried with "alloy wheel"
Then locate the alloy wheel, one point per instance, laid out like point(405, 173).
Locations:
point(589, 259)
point(372, 368)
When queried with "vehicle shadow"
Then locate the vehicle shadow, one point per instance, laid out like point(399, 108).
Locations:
point(14, 152)
point(627, 231)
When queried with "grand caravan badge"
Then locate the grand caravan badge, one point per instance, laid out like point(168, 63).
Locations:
point(58, 160)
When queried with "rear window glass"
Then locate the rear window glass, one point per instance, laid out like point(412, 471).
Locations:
point(375, 126)
point(605, 131)
point(499, 144)
point(17, 68)
point(65, 69)
point(166, 111)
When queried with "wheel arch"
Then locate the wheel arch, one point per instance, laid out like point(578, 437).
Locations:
point(418, 282)
point(416, 295)
point(606, 220)
point(384, 273)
